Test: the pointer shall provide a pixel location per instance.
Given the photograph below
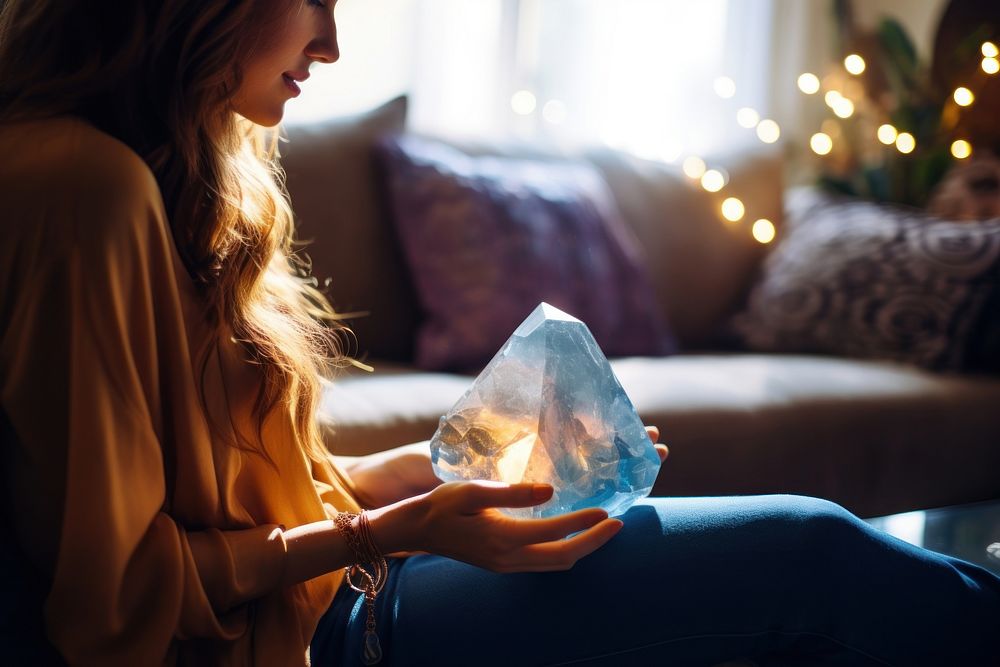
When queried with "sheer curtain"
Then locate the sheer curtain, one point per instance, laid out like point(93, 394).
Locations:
point(639, 75)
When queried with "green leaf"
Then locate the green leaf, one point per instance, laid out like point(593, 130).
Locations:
point(901, 63)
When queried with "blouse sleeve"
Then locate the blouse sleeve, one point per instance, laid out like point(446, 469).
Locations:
point(93, 350)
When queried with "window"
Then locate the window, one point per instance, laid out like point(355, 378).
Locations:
point(633, 74)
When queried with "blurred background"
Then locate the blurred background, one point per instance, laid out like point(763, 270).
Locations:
point(662, 79)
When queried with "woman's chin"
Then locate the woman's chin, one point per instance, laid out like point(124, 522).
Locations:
point(264, 117)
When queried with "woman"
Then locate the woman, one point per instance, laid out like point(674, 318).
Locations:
point(167, 489)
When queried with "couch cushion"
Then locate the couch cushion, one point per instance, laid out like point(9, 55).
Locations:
point(701, 266)
point(489, 238)
point(855, 278)
point(333, 187)
point(876, 437)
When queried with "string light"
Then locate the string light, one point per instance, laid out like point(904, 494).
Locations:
point(887, 134)
point(844, 108)
point(963, 96)
point(733, 209)
point(854, 64)
point(808, 83)
point(763, 231)
point(694, 167)
point(821, 143)
point(768, 131)
point(747, 117)
point(990, 50)
point(523, 102)
point(713, 180)
point(961, 149)
point(905, 143)
point(725, 87)
point(991, 65)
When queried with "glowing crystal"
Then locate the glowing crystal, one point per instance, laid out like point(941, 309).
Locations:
point(549, 409)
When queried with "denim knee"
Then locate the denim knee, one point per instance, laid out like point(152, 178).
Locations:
point(814, 525)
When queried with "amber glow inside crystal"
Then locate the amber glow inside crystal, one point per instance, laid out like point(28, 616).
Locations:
point(548, 408)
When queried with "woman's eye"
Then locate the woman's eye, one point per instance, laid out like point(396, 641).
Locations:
point(317, 3)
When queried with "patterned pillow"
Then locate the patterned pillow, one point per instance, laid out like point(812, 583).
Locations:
point(865, 280)
point(488, 238)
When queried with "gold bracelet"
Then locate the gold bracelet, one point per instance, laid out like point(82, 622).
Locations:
point(362, 544)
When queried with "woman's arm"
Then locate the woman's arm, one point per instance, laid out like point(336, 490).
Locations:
point(383, 478)
point(458, 519)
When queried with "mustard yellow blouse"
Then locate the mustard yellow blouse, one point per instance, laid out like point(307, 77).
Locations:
point(111, 470)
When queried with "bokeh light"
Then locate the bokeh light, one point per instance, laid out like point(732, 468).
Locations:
point(747, 117)
point(832, 97)
point(763, 231)
point(694, 167)
point(854, 64)
point(991, 65)
point(768, 131)
point(905, 143)
point(808, 83)
point(523, 102)
point(733, 209)
point(713, 180)
point(990, 50)
point(961, 149)
point(821, 143)
point(844, 108)
point(725, 87)
point(963, 96)
point(887, 134)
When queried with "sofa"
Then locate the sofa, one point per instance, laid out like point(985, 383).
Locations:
point(877, 436)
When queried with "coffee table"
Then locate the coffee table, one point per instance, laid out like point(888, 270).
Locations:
point(963, 531)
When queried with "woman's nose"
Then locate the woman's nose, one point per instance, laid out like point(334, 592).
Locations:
point(324, 47)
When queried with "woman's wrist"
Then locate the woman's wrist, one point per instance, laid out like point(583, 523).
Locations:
point(397, 527)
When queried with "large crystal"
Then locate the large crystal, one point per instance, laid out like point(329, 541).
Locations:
point(549, 409)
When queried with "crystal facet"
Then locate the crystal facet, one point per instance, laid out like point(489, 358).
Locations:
point(549, 409)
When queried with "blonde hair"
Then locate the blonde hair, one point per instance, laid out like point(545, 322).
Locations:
point(160, 75)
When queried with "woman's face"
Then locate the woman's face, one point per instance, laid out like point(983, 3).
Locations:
point(302, 33)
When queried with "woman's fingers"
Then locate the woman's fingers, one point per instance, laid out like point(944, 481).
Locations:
point(654, 435)
point(563, 554)
point(533, 531)
point(480, 495)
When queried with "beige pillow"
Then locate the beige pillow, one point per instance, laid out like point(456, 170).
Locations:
point(335, 195)
point(701, 266)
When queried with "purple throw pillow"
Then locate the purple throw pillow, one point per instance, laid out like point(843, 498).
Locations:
point(488, 238)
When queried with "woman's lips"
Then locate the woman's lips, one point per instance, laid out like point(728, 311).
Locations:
point(290, 83)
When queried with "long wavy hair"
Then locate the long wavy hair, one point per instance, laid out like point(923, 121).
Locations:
point(160, 75)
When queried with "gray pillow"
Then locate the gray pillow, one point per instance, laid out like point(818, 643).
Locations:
point(860, 279)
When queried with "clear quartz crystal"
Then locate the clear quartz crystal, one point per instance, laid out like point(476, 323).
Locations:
point(549, 409)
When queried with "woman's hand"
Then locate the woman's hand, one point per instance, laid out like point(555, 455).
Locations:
point(387, 477)
point(661, 449)
point(460, 520)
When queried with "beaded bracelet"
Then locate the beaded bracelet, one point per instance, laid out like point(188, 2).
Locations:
point(372, 580)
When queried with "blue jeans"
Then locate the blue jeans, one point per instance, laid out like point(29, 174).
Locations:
point(779, 580)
